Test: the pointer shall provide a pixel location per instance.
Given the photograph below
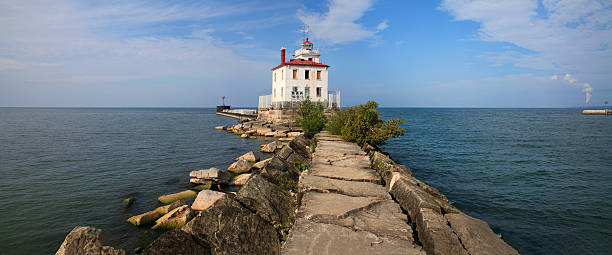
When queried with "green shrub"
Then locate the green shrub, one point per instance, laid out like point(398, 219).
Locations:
point(301, 166)
point(311, 117)
point(313, 147)
point(361, 124)
point(288, 185)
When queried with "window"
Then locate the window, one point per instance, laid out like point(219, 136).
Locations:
point(295, 74)
point(274, 76)
point(318, 92)
point(307, 92)
point(282, 95)
point(309, 59)
point(307, 74)
point(282, 74)
point(318, 75)
point(274, 92)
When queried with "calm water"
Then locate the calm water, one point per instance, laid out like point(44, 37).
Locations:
point(540, 177)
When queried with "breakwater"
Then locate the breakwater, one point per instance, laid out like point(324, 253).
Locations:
point(597, 112)
point(264, 209)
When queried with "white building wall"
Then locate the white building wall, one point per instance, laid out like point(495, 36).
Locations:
point(283, 83)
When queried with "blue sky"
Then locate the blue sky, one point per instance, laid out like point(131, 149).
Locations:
point(450, 53)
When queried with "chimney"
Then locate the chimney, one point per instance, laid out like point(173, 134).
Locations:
point(282, 55)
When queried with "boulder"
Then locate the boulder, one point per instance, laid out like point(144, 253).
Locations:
point(166, 208)
point(272, 147)
point(183, 195)
point(176, 218)
point(285, 139)
point(436, 235)
point(244, 136)
point(220, 127)
point(261, 164)
point(229, 228)
point(270, 134)
point(240, 180)
point(144, 219)
point(206, 199)
point(249, 156)
point(198, 188)
point(411, 198)
point(284, 152)
point(476, 236)
point(267, 200)
point(177, 242)
point(205, 176)
point(278, 170)
point(85, 240)
point(240, 166)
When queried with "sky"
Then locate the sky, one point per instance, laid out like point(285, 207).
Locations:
point(449, 53)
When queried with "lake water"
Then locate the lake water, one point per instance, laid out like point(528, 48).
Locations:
point(540, 177)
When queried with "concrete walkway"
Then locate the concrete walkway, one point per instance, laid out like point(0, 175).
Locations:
point(344, 209)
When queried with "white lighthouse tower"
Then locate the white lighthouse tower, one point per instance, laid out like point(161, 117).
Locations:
point(303, 77)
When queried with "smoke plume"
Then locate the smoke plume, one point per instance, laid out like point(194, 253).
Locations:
point(585, 87)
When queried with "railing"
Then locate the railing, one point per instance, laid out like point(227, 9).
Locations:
point(265, 102)
point(333, 99)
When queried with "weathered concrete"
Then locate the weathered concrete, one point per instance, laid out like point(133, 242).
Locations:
point(308, 237)
point(177, 242)
point(267, 200)
point(344, 209)
point(206, 199)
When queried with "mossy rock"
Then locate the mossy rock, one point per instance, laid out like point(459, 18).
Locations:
point(183, 195)
point(144, 219)
point(201, 187)
point(128, 201)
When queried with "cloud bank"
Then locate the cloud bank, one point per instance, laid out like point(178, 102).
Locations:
point(339, 24)
point(560, 35)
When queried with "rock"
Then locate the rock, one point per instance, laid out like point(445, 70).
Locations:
point(220, 127)
point(476, 236)
point(293, 134)
point(346, 173)
point(411, 198)
point(201, 187)
point(267, 200)
point(128, 201)
point(277, 170)
point(183, 195)
point(284, 152)
point(271, 147)
point(270, 134)
point(244, 136)
point(435, 234)
point(261, 164)
point(249, 156)
point(144, 219)
point(176, 218)
point(166, 208)
point(252, 137)
point(229, 228)
point(240, 180)
point(280, 134)
point(206, 199)
point(85, 241)
point(240, 166)
point(204, 176)
point(177, 242)
point(285, 139)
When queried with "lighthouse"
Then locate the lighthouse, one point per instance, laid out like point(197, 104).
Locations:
point(301, 78)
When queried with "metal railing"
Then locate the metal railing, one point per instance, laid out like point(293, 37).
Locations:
point(265, 102)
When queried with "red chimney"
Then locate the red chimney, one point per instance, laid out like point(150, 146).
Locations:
point(283, 55)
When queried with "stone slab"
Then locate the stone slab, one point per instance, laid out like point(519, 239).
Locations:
point(345, 173)
point(355, 189)
point(308, 237)
point(317, 205)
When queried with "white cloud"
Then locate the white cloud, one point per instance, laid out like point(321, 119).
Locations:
point(69, 42)
point(571, 80)
point(563, 35)
point(339, 24)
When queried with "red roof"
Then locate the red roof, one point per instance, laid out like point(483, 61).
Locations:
point(306, 42)
point(300, 62)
